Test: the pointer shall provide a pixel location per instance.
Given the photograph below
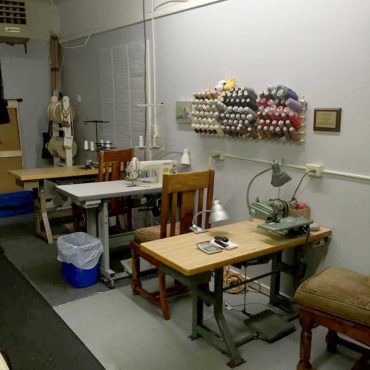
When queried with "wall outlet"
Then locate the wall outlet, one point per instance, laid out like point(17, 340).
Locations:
point(314, 169)
point(218, 154)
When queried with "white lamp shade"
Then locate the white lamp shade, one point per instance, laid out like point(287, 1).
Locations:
point(218, 212)
point(185, 158)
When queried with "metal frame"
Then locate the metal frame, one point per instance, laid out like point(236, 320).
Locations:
point(226, 343)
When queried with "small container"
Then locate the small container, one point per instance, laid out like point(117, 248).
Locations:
point(305, 212)
point(80, 278)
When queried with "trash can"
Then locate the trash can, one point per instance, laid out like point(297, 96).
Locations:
point(79, 253)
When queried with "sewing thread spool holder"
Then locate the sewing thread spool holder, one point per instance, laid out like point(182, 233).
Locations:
point(275, 114)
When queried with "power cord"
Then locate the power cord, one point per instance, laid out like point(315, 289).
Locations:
point(299, 184)
point(231, 277)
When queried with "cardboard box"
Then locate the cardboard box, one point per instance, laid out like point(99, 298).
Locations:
point(305, 212)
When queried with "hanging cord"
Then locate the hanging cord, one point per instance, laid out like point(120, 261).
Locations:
point(299, 184)
point(145, 81)
point(58, 32)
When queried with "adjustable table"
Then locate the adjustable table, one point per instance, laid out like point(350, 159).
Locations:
point(94, 197)
point(180, 258)
point(34, 179)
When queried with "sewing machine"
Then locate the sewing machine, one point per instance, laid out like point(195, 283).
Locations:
point(153, 170)
point(275, 212)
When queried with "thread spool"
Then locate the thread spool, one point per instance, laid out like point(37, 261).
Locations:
point(278, 131)
point(295, 121)
point(293, 133)
point(86, 145)
point(92, 146)
point(261, 132)
point(141, 141)
point(286, 133)
point(294, 105)
point(267, 132)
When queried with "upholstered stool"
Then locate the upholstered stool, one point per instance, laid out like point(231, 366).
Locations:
point(338, 299)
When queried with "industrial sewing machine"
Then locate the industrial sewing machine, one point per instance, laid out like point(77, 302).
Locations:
point(150, 171)
point(275, 212)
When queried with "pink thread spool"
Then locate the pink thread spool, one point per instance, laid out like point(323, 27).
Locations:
point(262, 102)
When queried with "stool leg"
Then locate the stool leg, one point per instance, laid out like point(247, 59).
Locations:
point(135, 279)
point(306, 336)
point(362, 363)
point(332, 341)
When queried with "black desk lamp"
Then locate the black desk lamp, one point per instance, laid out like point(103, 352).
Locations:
point(278, 178)
point(218, 213)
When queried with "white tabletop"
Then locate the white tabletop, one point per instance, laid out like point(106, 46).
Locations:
point(107, 189)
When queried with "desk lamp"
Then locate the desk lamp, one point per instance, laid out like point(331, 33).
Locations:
point(218, 213)
point(278, 178)
point(185, 157)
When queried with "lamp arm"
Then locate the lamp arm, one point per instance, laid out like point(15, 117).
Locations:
point(199, 213)
point(165, 154)
point(250, 184)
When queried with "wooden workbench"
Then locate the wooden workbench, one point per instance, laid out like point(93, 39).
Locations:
point(34, 178)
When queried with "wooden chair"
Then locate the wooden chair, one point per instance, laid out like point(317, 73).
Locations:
point(338, 299)
point(183, 195)
point(112, 166)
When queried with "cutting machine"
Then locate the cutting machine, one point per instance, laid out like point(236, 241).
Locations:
point(275, 212)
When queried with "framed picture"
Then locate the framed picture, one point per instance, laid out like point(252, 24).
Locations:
point(327, 119)
point(183, 112)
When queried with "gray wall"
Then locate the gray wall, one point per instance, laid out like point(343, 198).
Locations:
point(27, 76)
point(319, 49)
point(105, 95)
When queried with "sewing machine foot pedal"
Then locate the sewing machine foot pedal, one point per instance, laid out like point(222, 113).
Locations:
point(269, 326)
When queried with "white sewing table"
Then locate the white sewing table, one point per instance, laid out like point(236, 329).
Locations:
point(94, 197)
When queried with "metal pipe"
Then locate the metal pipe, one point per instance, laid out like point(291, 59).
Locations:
point(300, 167)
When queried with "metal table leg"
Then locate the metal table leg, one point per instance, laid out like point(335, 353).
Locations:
point(226, 342)
point(103, 230)
point(91, 221)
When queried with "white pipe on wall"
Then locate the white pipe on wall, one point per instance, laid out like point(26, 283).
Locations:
point(303, 168)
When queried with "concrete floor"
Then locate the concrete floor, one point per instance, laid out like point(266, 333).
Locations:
point(126, 332)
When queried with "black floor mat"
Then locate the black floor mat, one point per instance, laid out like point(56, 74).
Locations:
point(31, 333)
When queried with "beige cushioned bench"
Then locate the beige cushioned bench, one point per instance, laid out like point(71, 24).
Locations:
point(338, 299)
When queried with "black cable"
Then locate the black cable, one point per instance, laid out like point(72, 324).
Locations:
point(299, 184)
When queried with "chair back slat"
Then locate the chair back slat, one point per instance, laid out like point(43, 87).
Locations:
point(113, 163)
point(174, 199)
point(112, 166)
point(182, 197)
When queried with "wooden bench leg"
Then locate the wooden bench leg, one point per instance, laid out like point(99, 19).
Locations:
point(362, 363)
point(305, 347)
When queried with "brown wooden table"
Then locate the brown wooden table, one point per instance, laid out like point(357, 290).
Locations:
point(180, 258)
point(34, 179)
